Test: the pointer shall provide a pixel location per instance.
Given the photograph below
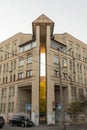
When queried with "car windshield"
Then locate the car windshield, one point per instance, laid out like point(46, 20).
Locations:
point(16, 117)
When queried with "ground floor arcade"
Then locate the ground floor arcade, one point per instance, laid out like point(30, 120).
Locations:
point(24, 98)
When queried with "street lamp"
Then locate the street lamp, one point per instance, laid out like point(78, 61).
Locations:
point(61, 91)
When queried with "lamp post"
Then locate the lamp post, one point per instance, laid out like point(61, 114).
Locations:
point(61, 92)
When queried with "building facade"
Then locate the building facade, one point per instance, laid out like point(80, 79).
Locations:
point(34, 67)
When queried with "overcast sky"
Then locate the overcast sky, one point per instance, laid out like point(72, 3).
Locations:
point(69, 16)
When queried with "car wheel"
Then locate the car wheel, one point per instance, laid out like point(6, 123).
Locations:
point(30, 124)
point(22, 125)
point(11, 124)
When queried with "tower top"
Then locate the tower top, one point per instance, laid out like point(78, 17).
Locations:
point(42, 20)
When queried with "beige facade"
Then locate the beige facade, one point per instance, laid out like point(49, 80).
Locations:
point(20, 71)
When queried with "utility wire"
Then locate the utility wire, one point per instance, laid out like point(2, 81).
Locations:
point(29, 59)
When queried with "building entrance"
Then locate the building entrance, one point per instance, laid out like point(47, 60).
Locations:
point(58, 110)
point(24, 100)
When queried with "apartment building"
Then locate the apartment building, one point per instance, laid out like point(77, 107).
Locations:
point(34, 67)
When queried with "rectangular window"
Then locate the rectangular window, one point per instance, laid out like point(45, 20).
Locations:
point(21, 62)
point(21, 49)
point(4, 68)
point(7, 67)
point(14, 77)
point(4, 107)
point(55, 59)
point(70, 65)
point(10, 78)
point(1, 58)
point(26, 48)
point(29, 73)
point(80, 92)
point(20, 75)
point(3, 79)
point(14, 64)
point(6, 79)
point(9, 107)
point(29, 59)
point(3, 96)
point(74, 91)
point(80, 68)
point(56, 73)
point(64, 62)
point(11, 91)
point(12, 106)
point(34, 44)
point(0, 69)
point(1, 107)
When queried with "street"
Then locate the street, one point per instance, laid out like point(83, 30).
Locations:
point(42, 127)
point(46, 127)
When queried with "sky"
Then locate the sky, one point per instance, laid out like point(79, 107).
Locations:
point(68, 15)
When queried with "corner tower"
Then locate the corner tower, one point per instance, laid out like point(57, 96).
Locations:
point(42, 32)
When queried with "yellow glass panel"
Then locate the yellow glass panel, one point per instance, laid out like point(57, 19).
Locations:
point(42, 84)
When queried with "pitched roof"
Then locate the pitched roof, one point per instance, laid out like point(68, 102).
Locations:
point(43, 19)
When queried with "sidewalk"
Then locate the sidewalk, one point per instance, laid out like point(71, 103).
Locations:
point(45, 127)
point(57, 127)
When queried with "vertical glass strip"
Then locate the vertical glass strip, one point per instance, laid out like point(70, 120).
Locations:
point(42, 84)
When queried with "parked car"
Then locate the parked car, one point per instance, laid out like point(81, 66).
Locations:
point(2, 121)
point(19, 120)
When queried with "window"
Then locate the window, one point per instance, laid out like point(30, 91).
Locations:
point(29, 73)
point(4, 106)
point(4, 68)
point(80, 92)
point(77, 67)
point(34, 44)
point(21, 62)
point(11, 91)
point(1, 107)
point(3, 80)
point(20, 75)
point(3, 93)
point(70, 65)
point(29, 59)
point(73, 66)
point(65, 75)
point(9, 107)
point(64, 62)
point(21, 49)
point(10, 78)
point(11, 65)
point(15, 64)
point(74, 91)
point(1, 58)
point(27, 46)
point(14, 77)
point(56, 73)
point(5, 56)
point(55, 59)
point(7, 67)
point(12, 106)
point(80, 68)
point(0, 69)
point(6, 79)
